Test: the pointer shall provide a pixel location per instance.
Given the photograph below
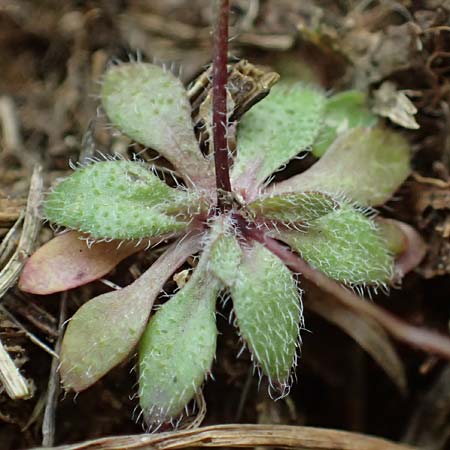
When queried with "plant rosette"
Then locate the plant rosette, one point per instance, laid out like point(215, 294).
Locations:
point(323, 214)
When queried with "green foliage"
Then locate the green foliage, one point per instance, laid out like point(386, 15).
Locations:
point(294, 208)
point(225, 257)
point(267, 308)
point(275, 130)
point(117, 200)
point(101, 334)
point(125, 200)
point(347, 246)
point(150, 105)
point(177, 349)
point(343, 111)
point(366, 165)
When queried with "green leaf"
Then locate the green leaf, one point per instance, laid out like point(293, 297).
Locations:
point(342, 112)
point(225, 258)
point(117, 200)
point(267, 307)
point(150, 105)
point(274, 131)
point(345, 245)
point(104, 331)
point(224, 251)
point(365, 164)
point(177, 349)
point(297, 208)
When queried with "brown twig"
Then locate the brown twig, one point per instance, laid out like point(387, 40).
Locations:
point(281, 436)
point(48, 424)
point(220, 75)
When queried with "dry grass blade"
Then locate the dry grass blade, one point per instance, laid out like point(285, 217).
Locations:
point(367, 333)
point(14, 383)
point(11, 239)
point(244, 436)
point(31, 224)
point(53, 389)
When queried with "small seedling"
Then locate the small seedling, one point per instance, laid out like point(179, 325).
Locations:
point(231, 223)
point(324, 214)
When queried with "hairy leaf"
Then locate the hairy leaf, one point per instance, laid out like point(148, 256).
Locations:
point(150, 105)
point(342, 112)
point(224, 251)
point(267, 307)
point(104, 330)
point(274, 131)
point(177, 349)
point(299, 208)
point(345, 245)
point(66, 262)
point(365, 164)
point(118, 200)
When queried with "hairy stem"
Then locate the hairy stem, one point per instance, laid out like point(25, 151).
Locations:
point(420, 338)
point(220, 76)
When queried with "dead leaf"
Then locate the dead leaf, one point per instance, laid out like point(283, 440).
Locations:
point(395, 105)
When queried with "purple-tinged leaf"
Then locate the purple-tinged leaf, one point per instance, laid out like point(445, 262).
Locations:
point(405, 243)
point(104, 330)
point(366, 165)
point(66, 262)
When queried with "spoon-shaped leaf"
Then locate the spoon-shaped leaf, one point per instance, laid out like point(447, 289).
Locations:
point(117, 200)
point(365, 164)
point(150, 105)
point(267, 307)
point(345, 245)
point(287, 121)
point(177, 348)
point(66, 262)
point(104, 330)
point(342, 112)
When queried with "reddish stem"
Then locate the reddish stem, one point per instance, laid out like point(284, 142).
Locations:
point(219, 118)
